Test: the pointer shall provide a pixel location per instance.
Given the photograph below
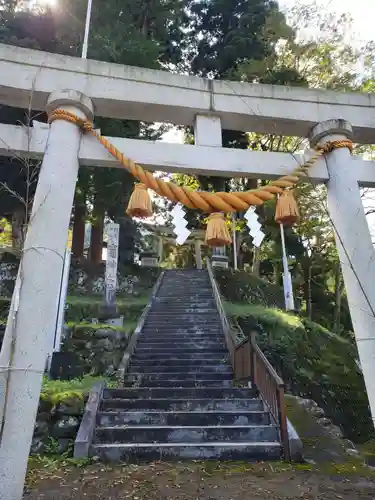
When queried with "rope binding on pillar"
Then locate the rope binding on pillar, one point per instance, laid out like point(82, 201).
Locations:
point(209, 202)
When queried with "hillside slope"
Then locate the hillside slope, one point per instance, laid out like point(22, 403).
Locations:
point(313, 362)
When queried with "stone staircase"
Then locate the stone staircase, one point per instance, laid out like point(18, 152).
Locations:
point(178, 400)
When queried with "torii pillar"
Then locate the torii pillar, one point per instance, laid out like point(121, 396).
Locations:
point(32, 315)
point(354, 245)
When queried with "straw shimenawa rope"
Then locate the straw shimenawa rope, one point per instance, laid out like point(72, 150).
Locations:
point(206, 201)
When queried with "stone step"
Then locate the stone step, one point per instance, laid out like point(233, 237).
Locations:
point(147, 343)
point(179, 418)
point(181, 393)
point(175, 405)
point(184, 290)
point(158, 338)
point(179, 375)
point(181, 362)
point(186, 369)
point(182, 316)
point(179, 320)
point(193, 364)
point(171, 350)
point(180, 356)
point(176, 303)
point(186, 434)
point(187, 311)
point(182, 337)
point(166, 381)
point(176, 324)
point(255, 452)
point(158, 304)
point(170, 320)
point(185, 330)
point(202, 289)
point(183, 299)
point(190, 289)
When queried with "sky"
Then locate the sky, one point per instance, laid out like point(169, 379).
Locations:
point(360, 10)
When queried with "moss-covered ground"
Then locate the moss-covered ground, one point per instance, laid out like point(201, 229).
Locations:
point(69, 480)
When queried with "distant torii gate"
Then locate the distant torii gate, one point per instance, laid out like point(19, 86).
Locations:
point(38, 80)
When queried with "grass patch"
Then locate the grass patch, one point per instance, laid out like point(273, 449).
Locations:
point(141, 300)
point(57, 391)
point(82, 309)
point(127, 327)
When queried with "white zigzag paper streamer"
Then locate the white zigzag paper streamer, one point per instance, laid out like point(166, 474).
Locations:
point(255, 227)
point(180, 223)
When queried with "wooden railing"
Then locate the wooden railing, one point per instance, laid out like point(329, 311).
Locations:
point(250, 363)
point(229, 337)
point(270, 386)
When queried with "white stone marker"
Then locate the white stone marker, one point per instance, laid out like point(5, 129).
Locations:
point(113, 231)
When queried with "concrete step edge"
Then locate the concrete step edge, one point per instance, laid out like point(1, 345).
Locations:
point(223, 444)
point(192, 427)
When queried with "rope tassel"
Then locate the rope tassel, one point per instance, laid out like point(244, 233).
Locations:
point(140, 204)
point(217, 233)
point(287, 212)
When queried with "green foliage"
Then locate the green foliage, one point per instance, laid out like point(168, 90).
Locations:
point(4, 307)
point(240, 286)
point(5, 233)
point(232, 32)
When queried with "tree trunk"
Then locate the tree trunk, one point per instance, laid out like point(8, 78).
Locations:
point(338, 299)
point(256, 261)
point(306, 268)
point(78, 238)
point(238, 250)
point(18, 219)
point(96, 241)
point(277, 273)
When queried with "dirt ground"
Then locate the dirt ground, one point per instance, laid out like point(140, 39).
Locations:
point(200, 481)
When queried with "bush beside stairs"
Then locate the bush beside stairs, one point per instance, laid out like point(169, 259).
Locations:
point(179, 400)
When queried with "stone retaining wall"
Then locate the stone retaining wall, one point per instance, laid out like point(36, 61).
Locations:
point(57, 425)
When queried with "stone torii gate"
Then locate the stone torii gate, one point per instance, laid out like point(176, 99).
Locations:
point(40, 81)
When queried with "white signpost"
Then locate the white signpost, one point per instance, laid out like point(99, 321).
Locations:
point(287, 277)
point(113, 231)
